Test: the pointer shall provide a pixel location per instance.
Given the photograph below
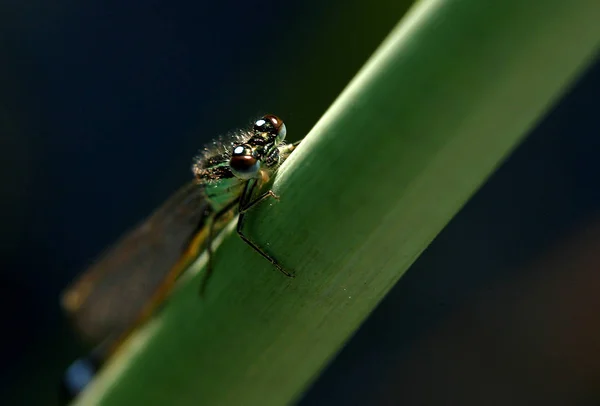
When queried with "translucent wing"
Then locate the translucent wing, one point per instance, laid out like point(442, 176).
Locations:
point(109, 297)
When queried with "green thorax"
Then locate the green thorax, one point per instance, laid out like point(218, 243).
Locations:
point(214, 174)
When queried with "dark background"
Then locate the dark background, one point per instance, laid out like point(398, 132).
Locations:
point(103, 104)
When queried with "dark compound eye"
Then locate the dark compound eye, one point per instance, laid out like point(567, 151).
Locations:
point(243, 163)
point(271, 124)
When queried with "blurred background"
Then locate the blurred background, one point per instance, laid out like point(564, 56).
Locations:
point(103, 104)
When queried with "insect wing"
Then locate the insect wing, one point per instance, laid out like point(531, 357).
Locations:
point(108, 298)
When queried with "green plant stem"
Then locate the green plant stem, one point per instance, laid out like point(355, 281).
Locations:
point(445, 98)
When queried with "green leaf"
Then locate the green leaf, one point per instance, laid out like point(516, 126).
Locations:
point(436, 109)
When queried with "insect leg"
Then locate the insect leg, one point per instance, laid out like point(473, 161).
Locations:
point(243, 208)
point(211, 235)
point(259, 199)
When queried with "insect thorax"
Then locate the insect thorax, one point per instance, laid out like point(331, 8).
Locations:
point(214, 173)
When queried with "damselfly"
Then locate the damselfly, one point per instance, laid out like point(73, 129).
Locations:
point(126, 285)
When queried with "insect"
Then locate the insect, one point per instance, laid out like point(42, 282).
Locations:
point(231, 177)
point(133, 278)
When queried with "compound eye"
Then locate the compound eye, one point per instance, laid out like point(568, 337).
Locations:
point(243, 163)
point(271, 124)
